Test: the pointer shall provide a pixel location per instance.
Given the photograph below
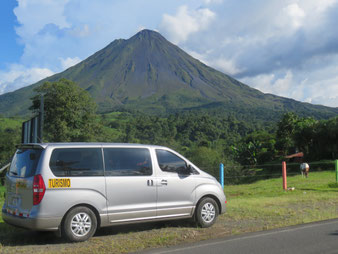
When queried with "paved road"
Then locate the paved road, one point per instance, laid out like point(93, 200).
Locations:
point(319, 237)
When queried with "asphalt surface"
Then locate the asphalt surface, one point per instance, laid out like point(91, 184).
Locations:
point(319, 237)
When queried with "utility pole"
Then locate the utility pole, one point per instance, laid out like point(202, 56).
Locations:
point(41, 116)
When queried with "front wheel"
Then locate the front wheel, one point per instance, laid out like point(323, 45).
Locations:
point(79, 224)
point(207, 212)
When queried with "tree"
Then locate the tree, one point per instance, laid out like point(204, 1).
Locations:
point(8, 139)
point(206, 158)
point(317, 139)
point(69, 112)
point(256, 148)
point(304, 136)
point(285, 133)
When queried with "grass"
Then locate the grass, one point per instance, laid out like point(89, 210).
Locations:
point(251, 207)
point(313, 199)
point(2, 193)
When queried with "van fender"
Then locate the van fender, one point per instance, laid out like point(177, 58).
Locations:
point(212, 191)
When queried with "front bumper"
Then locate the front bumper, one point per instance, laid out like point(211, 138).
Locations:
point(223, 206)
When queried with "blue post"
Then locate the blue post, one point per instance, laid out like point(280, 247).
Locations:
point(221, 174)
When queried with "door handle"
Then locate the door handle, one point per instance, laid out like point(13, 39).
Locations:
point(150, 182)
point(164, 182)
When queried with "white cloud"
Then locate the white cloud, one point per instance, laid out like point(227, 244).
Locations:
point(318, 6)
point(186, 22)
point(261, 82)
point(33, 15)
point(19, 76)
point(331, 102)
point(322, 86)
point(318, 87)
point(213, 1)
point(269, 83)
point(286, 48)
point(81, 31)
point(140, 28)
point(222, 64)
point(69, 62)
point(227, 66)
point(202, 57)
point(284, 84)
point(296, 14)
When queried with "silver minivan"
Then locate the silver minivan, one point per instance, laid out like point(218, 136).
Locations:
point(75, 188)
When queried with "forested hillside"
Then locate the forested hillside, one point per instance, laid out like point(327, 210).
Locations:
point(205, 139)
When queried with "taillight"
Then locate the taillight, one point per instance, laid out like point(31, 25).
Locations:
point(38, 189)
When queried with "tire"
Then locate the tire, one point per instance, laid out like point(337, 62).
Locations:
point(79, 224)
point(206, 213)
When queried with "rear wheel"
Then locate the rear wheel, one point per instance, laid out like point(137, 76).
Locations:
point(207, 212)
point(79, 224)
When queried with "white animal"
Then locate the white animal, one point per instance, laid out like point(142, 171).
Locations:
point(304, 169)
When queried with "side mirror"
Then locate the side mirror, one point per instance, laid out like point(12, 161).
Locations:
point(187, 170)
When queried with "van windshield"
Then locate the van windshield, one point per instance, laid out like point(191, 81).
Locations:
point(24, 162)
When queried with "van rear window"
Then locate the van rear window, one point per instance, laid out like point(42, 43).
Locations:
point(76, 162)
point(24, 162)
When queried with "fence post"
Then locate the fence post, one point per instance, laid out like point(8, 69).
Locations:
point(221, 174)
point(336, 171)
point(284, 175)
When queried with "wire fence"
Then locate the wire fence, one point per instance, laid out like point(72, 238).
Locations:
point(238, 174)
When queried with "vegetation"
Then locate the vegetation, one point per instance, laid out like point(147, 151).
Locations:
point(205, 139)
point(251, 207)
point(317, 139)
point(10, 136)
point(69, 112)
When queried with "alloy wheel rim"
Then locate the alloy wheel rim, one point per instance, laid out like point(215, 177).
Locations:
point(81, 224)
point(208, 212)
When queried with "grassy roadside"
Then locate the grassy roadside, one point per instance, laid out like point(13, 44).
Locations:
point(252, 207)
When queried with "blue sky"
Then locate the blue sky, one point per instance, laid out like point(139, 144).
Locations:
point(11, 50)
point(288, 48)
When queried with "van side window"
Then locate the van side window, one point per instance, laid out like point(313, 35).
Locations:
point(127, 162)
point(169, 162)
point(76, 162)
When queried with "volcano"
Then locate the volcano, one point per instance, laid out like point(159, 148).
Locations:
point(147, 73)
